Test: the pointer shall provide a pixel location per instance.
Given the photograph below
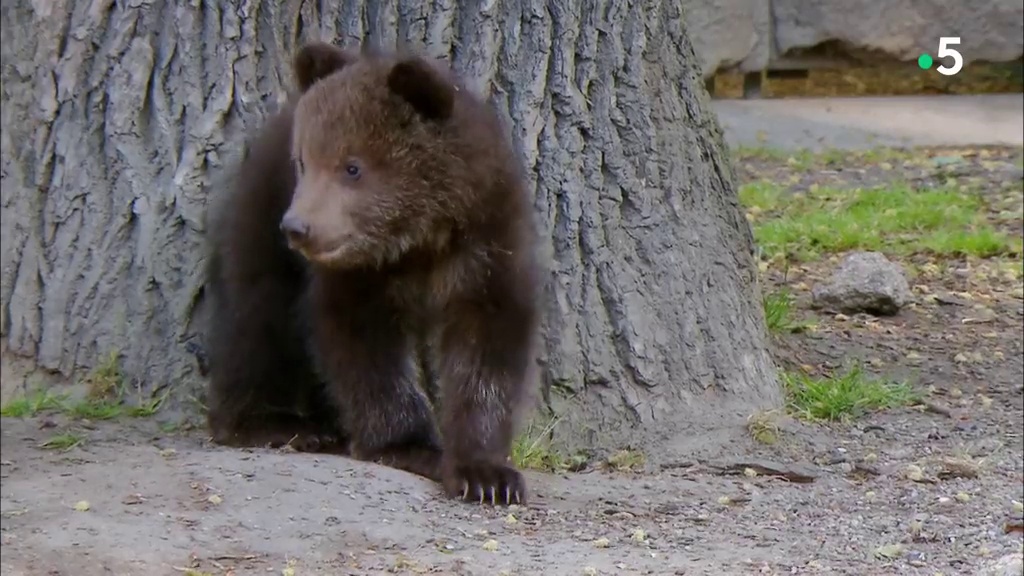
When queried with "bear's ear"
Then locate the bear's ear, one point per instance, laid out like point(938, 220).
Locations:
point(315, 60)
point(422, 86)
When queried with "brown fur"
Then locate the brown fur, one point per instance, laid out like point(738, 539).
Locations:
point(411, 214)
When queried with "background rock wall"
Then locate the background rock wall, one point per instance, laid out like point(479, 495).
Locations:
point(752, 35)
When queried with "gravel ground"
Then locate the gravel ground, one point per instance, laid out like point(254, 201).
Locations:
point(930, 489)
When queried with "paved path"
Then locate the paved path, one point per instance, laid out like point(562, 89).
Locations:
point(870, 122)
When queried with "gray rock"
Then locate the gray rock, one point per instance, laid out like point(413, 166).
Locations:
point(1009, 565)
point(864, 282)
point(902, 29)
point(744, 36)
point(729, 34)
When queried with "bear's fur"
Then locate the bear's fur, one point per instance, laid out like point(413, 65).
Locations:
point(380, 232)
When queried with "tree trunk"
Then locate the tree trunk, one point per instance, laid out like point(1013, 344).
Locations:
point(120, 117)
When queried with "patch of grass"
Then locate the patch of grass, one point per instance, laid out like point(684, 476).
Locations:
point(896, 220)
point(62, 442)
point(147, 408)
point(778, 313)
point(32, 404)
point(804, 159)
point(843, 396)
point(533, 449)
point(104, 399)
point(105, 380)
point(107, 391)
point(94, 410)
point(108, 409)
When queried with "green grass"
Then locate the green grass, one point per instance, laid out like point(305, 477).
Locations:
point(843, 396)
point(778, 313)
point(897, 220)
point(533, 449)
point(105, 400)
point(62, 442)
point(32, 404)
point(805, 160)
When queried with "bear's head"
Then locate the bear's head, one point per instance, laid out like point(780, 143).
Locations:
point(379, 157)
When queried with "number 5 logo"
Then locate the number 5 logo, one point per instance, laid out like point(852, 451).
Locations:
point(944, 50)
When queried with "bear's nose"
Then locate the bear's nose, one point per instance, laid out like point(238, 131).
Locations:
point(294, 228)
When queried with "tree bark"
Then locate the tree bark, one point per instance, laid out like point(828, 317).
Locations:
point(119, 118)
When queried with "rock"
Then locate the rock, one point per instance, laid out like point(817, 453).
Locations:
point(729, 34)
point(864, 282)
point(988, 29)
point(1009, 565)
point(744, 36)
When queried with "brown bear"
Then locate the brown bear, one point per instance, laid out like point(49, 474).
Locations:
point(379, 232)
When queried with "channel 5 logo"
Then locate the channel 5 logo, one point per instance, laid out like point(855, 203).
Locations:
point(925, 61)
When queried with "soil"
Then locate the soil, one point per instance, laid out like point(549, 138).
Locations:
point(929, 489)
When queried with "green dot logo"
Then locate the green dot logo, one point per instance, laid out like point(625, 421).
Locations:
point(924, 61)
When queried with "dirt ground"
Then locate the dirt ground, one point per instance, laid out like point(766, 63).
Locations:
point(928, 489)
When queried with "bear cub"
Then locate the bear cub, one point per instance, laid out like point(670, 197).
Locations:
point(375, 256)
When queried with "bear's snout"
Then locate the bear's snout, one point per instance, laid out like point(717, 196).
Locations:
point(295, 229)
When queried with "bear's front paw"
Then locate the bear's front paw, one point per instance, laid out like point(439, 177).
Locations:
point(485, 482)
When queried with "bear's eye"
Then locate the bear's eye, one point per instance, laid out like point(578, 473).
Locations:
point(298, 164)
point(352, 170)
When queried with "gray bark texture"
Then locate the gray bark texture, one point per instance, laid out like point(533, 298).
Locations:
point(119, 119)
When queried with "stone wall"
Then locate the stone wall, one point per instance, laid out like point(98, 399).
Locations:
point(753, 35)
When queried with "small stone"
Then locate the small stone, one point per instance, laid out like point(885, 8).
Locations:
point(864, 282)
